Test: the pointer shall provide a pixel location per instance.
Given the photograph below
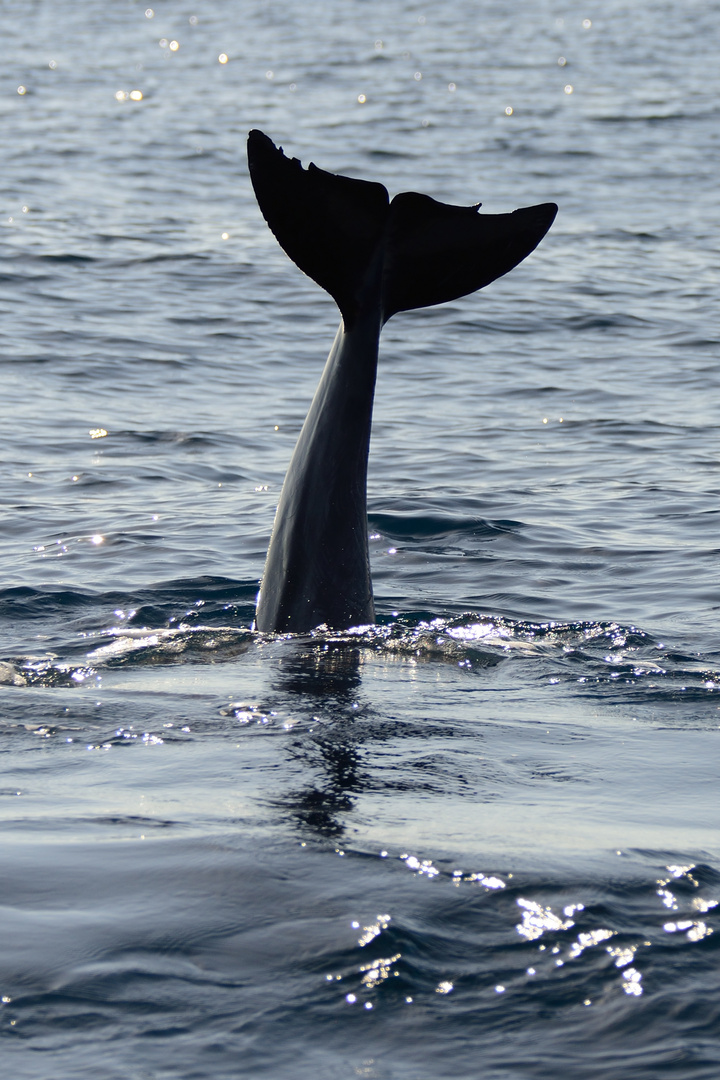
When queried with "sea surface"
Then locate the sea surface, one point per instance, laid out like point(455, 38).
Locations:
point(479, 839)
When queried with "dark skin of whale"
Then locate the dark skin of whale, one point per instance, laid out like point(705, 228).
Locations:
point(375, 258)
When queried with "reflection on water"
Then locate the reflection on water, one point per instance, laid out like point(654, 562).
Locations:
point(324, 680)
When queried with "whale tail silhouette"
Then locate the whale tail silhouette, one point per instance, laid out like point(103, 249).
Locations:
point(336, 229)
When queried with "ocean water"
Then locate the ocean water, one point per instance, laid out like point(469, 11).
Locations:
point(481, 837)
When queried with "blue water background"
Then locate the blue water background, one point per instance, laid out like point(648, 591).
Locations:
point(480, 838)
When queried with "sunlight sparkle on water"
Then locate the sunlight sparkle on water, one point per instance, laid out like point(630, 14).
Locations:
point(695, 931)
point(371, 932)
point(425, 867)
point(570, 909)
point(587, 940)
point(631, 982)
point(378, 970)
point(680, 871)
point(477, 632)
point(667, 898)
point(704, 905)
point(622, 955)
point(486, 882)
point(537, 919)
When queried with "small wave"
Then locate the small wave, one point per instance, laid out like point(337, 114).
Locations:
point(436, 526)
point(43, 672)
point(560, 949)
point(605, 322)
point(198, 643)
point(167, 599)
point(182, 438)
point(588, 657)
point(591, 657)
point(61, 257)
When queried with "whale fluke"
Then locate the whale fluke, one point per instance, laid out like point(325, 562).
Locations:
point(332, 226)
point(375, 258)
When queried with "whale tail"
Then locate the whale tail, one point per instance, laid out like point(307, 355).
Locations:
point(334, 228)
